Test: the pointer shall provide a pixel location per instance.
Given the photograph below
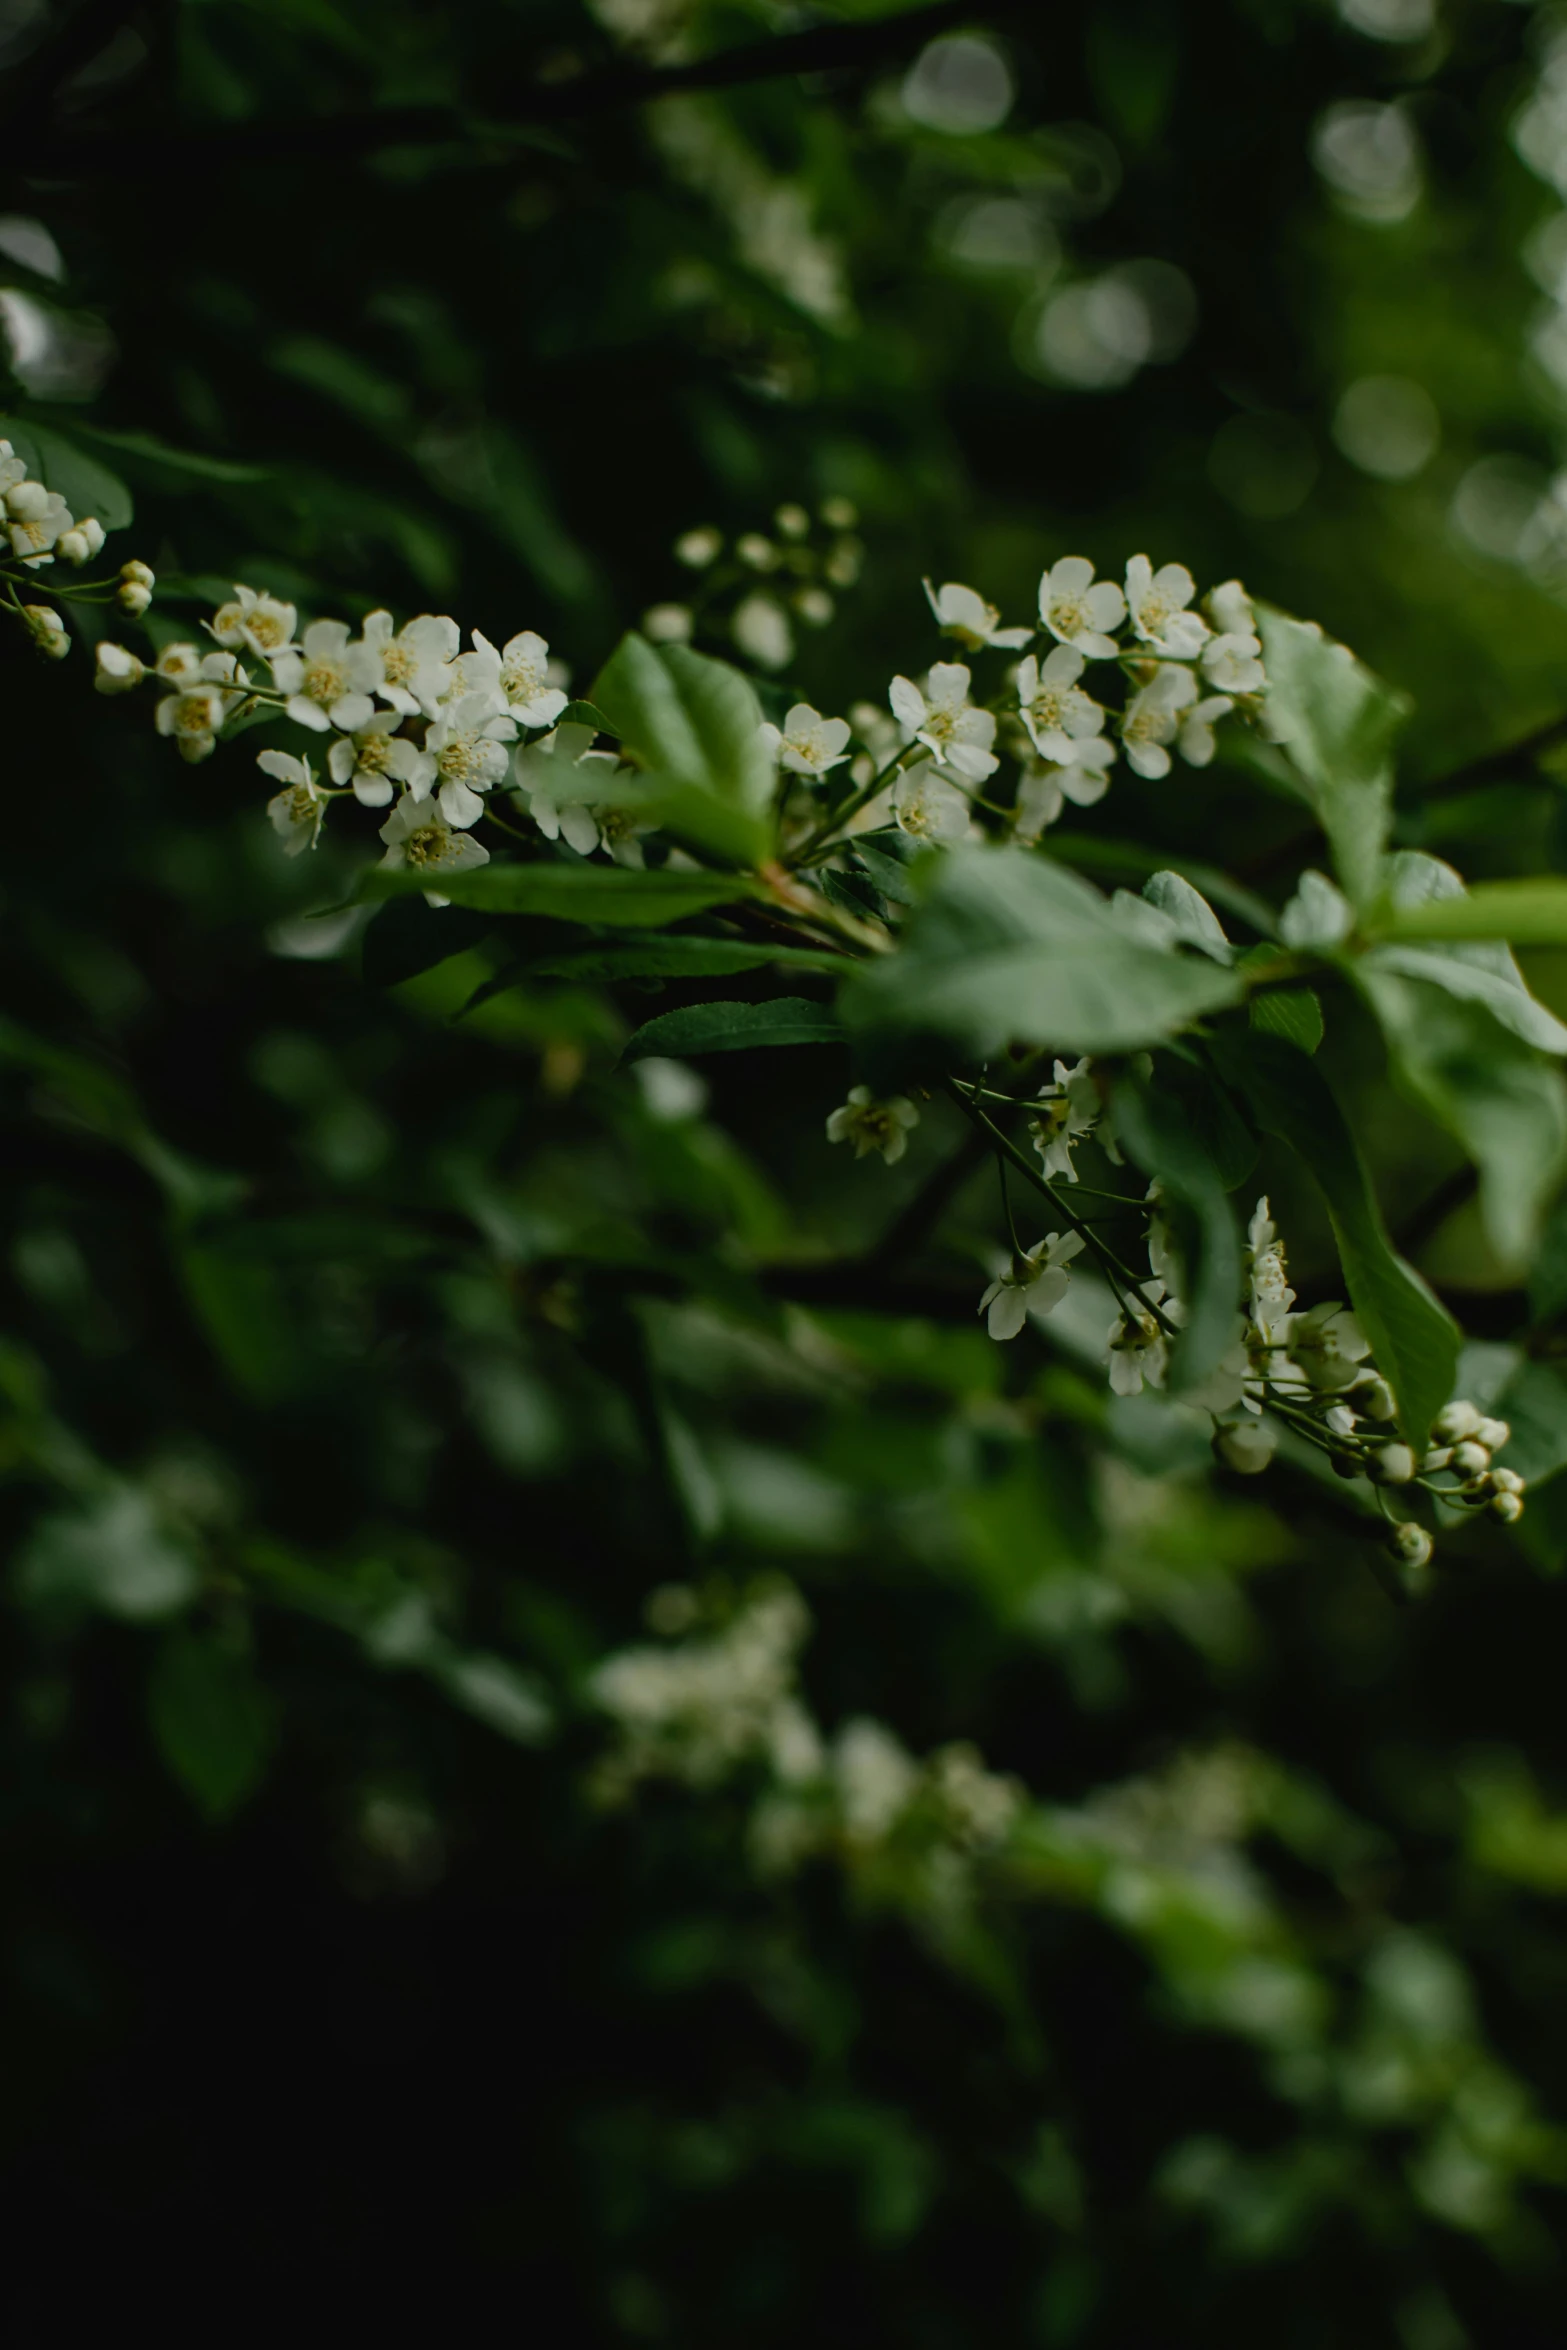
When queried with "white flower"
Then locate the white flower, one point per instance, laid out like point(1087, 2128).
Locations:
point(35, 518)
point(1195, 741)
point(80, 543)
point(927, 806)
point(328, 681)
point(413, 665)
point(621, 831)
point(955, 735)
point(1138, 1348)
point(1036, 1283)
point(1068, 1109)
point(1045, 786)
point(371, 757)
point(1057, 713)
point(808, 743)
point(299, 808)
point(963, 613)
point(421, 838)
point(1231, 610)
point(1231, 663)
point(259, 624)
point(1271, 1295)
point(549, 772)
point(873, 1125)
point(1078, 611)
point(1158, 602)
point(518, 676)
point(193, 714)
point(1151, 718)
point(178, 664)
point(464, 754)
point(118, 671)
point(48, 630)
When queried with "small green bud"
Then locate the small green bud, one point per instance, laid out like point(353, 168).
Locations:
point(1410, 1544)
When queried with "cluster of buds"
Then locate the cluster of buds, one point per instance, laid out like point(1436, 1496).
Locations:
point(1466, 1441)
point(753, 589)
point(36, 527)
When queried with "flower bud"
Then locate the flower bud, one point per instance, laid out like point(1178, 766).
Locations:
point(27, 502)
point(1341, 1421)
point(1456, 1421)
point(757, 553)
point(698, 548)
point(1493, 1434)
point(117, 671)
point(1410, 1543)
point(815, 606)
point(1471, 1460)
point(133, 599)
point(92, 531)
point(72, 547)
point(839, 513)
point(1508, 1507)
point(792, 522)
point(1247, 1446)
point(1376, 1400)
point(1441, 1458)
point(47, 630)
point(1507, 1481)
point(667, 624)
point(1391, 1464)
point(138, 574)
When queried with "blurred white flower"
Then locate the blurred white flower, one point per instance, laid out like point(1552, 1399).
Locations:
point(1065, 1113)
point(1195, 740)
point(873, 1125)
point(1152, 716)
point(254, 623)
point(927, 806)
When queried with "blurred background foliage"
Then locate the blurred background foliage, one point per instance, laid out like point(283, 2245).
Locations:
point(577, 1739)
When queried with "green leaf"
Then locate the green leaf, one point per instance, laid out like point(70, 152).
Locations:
point(1414, 1338)
point(212, 1720)
point(1196, 923)
point(678, 958)
point(585, 714)
point(1337, 722)
point(1530, 913)
point(695, 725)
point(1153, 1127)
point(1496, 1095)
point(1479, 971)
point(1294, 1013)
point(155, 456)
point(618, 896)
point(1010, 948)
point(87, 487)
point(729, 1028)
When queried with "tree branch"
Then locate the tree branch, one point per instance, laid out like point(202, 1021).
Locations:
point(837, 48)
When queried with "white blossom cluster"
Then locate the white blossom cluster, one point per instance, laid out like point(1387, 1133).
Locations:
point(701, 1708)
